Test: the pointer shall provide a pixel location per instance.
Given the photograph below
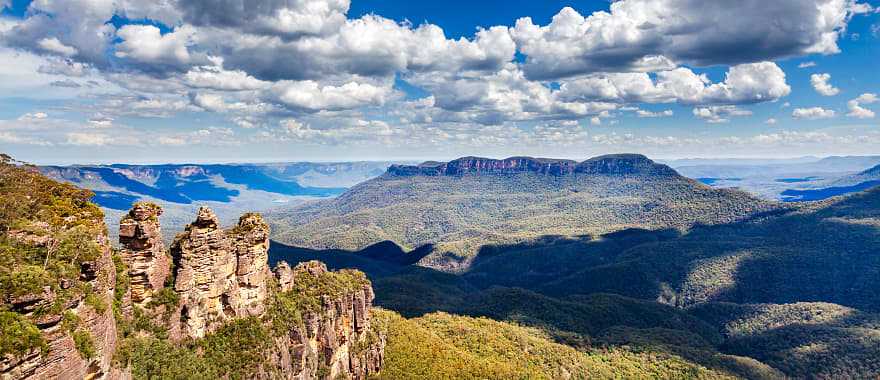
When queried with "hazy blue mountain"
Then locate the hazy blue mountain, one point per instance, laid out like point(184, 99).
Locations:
point(801, 179)
point(229, 189)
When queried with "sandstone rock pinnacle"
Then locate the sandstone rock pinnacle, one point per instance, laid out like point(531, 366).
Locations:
point(143, 251)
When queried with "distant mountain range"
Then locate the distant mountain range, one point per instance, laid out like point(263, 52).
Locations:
point(804, 179)
point(228, 188)
point(472, 204)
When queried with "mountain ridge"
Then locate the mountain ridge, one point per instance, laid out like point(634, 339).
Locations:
point(611, 164)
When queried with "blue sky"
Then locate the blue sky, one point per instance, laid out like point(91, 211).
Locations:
point(85, 81)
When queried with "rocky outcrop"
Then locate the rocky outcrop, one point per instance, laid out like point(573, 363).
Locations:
point(67, 317)
point(62, 359)
point(615, 164)
point(220, 274)
point(250, 243)
point(336, 339)
point(143, 251)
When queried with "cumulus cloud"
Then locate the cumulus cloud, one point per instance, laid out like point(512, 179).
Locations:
point(33, 116)
point(644, 113)
point(216, 78)
point(310, 96)
point(807, 64)
point(647, 35)
point(370, 46)
point(856, 108)
point(719, 114)
point(812, 113)
point(821, 85)
point(72, 28)
point(88, 139)
point(146, 44)
point(289, 18)
point(55, 46)
point(747, 83)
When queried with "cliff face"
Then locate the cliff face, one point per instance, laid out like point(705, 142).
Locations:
point(66, 322)
point(617, 164)
point(65, 314)
point(335, 339)
point(220, 274)
point(56, 279)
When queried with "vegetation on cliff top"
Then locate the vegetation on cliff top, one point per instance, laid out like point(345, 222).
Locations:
point(49, 232)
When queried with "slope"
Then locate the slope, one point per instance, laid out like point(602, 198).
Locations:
point(469, 203)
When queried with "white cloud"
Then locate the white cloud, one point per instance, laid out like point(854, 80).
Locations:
point(216, 78)
point(88, 139)
point(146, 44)
point(34, 116)
point(55, 46)
point(856, 108)
point(747, 83)
point(805, 65)
point(12, 138)
point(821, 85)
point(644, 113)
point(812, 113)
point(771, 121)
point(719, 114)
point(310, 96)
point(647, 35)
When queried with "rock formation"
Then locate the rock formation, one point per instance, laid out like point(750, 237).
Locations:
point(335, 340)
point(614, 164)
point(206, 267)
point(143, 251)
point(62, 359)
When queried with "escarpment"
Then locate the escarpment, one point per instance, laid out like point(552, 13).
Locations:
point(72, 308)
point(612, 164)
point(56, 280)
point(335, 331)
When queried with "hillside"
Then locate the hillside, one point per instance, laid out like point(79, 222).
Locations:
point(467, 205)
point(790, 291)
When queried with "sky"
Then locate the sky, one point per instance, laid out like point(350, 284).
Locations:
point(127, 81)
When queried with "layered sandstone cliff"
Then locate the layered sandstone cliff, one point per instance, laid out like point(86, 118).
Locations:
point(220, 274)
point(143, 252)
point(57, 287)
point(335, 339)
point(76, 311)
point(613, 164)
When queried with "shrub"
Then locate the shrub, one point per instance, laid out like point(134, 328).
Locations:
point(18, 335)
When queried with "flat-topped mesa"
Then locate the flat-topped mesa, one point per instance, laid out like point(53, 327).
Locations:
point(220, 274)
point(143, 251)
point(614, 164)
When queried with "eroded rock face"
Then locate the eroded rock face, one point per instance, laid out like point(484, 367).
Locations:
point(220, 274)
point(62, 360)
point(335, 341)
point(143, 251)
point(613, 164)
point(250, 242)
